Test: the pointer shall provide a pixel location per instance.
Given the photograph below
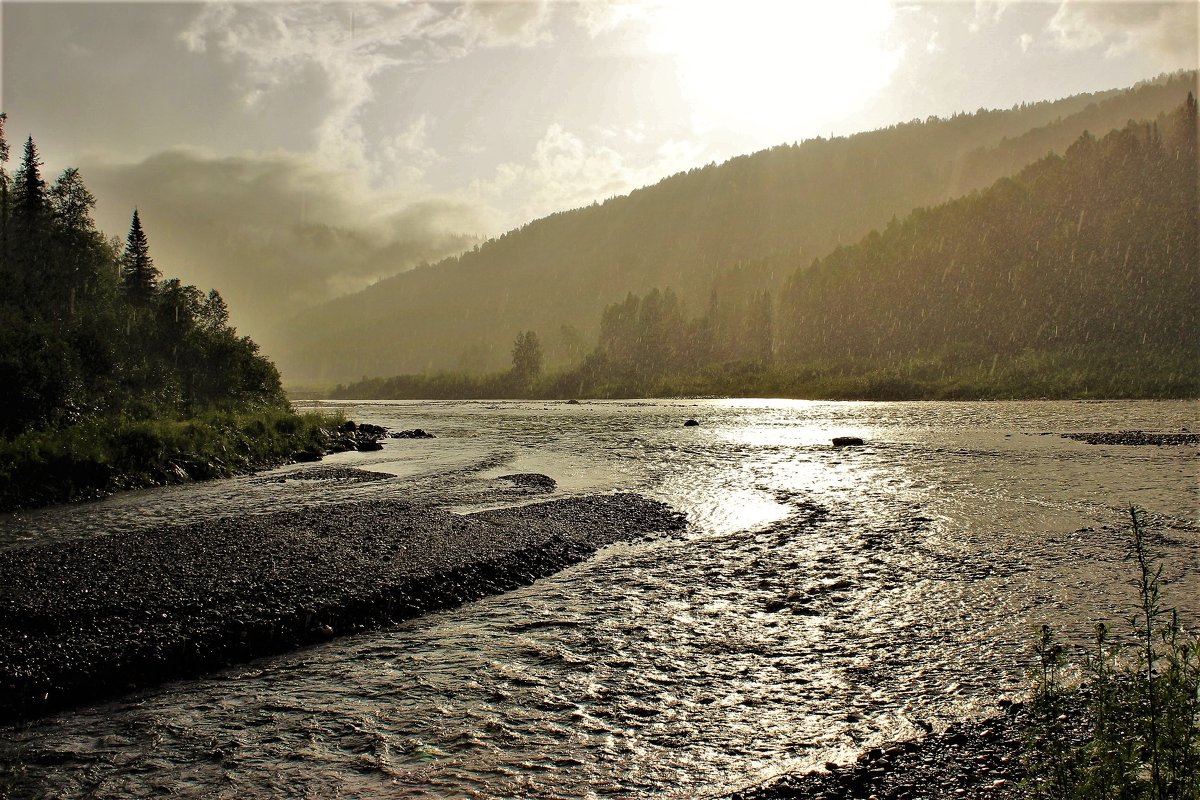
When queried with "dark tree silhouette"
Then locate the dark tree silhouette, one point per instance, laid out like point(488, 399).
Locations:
point(30, 209)
point(72, 203)
point(5, 194)
point(526, 358)
point(30, 202)
point(138, 273)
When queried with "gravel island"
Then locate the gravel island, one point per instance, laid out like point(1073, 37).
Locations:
point(90, 618)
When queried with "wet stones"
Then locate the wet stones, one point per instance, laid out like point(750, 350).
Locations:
point(415, 433)
point(979, 759)
point(847, 441)
point(350, 435)
point(327, 473)
point(1135, 438)
point(531, 480)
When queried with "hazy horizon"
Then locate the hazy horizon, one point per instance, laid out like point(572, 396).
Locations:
point(287, 153)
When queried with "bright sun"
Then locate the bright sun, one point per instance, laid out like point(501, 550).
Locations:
point(775, 70)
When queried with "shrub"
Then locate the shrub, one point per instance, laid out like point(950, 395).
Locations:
point(1126, 722)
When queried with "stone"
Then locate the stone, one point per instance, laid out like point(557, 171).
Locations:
point(416, 433)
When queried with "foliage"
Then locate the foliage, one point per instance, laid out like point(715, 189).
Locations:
point(88, 334)
point(1130, 728)
point(1096, 250)
point(526, 358)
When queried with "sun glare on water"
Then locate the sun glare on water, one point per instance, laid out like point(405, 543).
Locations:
point(775, 70)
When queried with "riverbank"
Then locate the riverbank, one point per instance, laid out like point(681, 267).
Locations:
point(100, 457)
point(92, 618)
point(979, 759)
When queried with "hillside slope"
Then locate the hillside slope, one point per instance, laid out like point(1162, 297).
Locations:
point(776, 207)
point(1093, 256)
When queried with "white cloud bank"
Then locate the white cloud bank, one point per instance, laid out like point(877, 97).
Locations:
point(1170, 29)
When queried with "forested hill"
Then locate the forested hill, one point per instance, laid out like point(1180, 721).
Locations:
point(1093, 256)
point(793, 202)
point(1077, 277)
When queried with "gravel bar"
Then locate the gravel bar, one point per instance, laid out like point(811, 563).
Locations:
point(91, 618)
point(1135, 438)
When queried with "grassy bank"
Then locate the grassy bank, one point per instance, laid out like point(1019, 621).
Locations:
point(1026, 376)
point(100, 456)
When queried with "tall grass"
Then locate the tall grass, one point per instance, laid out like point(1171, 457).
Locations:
point(1125, 723)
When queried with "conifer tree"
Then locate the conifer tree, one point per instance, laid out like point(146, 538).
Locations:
point(29, 246)
point(5, 194)
point(138, 273)
point(30, 202)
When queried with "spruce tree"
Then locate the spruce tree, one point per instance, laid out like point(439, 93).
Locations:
point(138, 273)
point(30, 202)
point(5, 194)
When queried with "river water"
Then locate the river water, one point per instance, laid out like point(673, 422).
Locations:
point(820, 601)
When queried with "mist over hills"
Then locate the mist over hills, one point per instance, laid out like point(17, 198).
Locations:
point(739, 228)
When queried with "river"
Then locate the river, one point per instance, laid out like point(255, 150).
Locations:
point(822, 599)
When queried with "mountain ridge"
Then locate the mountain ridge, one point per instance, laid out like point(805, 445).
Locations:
point(787, 204)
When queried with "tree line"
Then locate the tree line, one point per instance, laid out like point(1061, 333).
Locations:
point(90, 329)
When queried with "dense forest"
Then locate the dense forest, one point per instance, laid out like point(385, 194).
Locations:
point(1078, 276)
point(113, 376)
point(739, 228)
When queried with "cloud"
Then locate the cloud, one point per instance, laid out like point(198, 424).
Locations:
point(497, 24)
point(987, 13)
point(1168, 29)
point(601, 16)
point(276, 233)
point(350, 46)
point(566, 171)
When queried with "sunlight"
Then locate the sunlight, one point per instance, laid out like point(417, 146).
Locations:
point(775, 71)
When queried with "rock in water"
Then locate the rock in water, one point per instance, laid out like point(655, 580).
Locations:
point(531, 480)
point(416, 433)
point(691, 423)
point(846, 441)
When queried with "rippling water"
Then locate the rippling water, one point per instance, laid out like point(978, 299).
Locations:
point(821, 600)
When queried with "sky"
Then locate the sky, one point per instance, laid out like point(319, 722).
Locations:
point(289, 152)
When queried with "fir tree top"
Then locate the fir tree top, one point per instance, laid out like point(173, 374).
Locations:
point(137, 267)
